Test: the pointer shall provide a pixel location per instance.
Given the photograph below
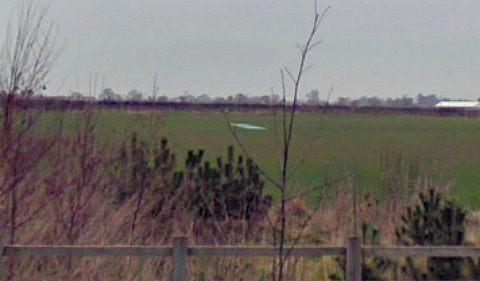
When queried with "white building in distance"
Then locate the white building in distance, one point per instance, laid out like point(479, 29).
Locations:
point(458, 104)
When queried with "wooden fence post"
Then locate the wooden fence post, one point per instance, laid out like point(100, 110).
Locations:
point(2, 272)
point(180, 254)
point(354, 259)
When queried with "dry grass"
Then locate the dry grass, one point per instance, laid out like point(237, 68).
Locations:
point(107, 224)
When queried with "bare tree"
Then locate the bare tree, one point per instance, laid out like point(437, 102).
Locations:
point(287, 119)
point(288, 123)
point(134, 95)
point(29, 49)
point(313, 97)
point(27, 55)
point(155, 89)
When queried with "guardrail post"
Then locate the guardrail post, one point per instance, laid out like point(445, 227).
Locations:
point(354, 259)
point(180, 244)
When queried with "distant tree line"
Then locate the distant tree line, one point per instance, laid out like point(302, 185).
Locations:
point(424, 101)
point(312, 98)
point(108, 94)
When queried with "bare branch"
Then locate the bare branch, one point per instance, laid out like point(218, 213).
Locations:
point(300, 48)
point(28, 56)
point(290, 75)
point(317, 21)
point(305, 155)
point(245, 151)
point(284, 108)
point(329, 94)
point(156, 88)
point(306, 69)
point(275, 130)
point(311, 190)
point(304, 225)
point(315, 45)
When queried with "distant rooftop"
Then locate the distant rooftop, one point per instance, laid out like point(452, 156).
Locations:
point(458, 104)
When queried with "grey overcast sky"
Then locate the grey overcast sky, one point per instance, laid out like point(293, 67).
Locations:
point(219, 47)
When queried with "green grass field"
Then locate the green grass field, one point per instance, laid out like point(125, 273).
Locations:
point(445, 147)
